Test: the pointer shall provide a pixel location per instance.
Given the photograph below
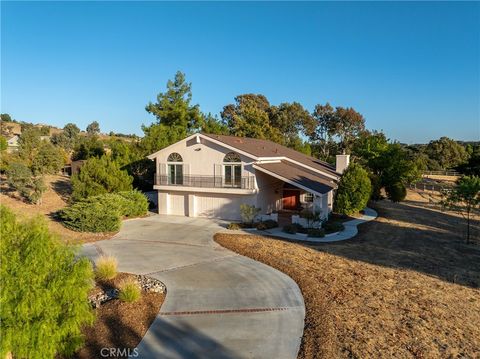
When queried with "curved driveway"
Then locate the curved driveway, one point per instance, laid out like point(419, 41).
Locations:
point(219, 304)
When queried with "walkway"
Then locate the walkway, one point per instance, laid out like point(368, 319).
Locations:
point(219, 304)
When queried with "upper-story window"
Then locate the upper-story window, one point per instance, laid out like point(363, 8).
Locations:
point(232, 170)
point(175, 169)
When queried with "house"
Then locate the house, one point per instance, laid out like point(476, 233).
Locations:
point(12, 144)
point(207, 175)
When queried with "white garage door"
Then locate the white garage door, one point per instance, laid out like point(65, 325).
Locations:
point(178, 204)
point(220, 206)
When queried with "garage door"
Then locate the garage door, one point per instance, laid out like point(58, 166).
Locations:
point(178, 204)
point(220, 206)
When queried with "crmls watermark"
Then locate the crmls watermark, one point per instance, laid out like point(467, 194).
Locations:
point(118, 352)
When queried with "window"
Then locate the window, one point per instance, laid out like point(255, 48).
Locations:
point(174, 157)
point(232, 170)
point(308, 197)
point(175, 169)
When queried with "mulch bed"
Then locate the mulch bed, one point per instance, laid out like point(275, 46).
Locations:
point(407, 286)
point(119, 324)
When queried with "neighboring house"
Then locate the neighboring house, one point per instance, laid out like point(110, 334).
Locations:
point(12, 144)
point(212, 175)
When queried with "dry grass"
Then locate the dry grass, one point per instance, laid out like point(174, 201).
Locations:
point(106, 267)
point(54, 199)
point(406, 287)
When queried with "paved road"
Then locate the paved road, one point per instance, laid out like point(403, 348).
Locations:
point(219, 304)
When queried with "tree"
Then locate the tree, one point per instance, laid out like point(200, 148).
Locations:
point(353, 191)
point(48, 159)
point(292, 120)
point(21, 179)
point(68, 139)
point(93, 129)
point(464, 198)
point(212, 125)
point(322, 130)
point(28, 142)
point(98, 176)
point(396, 191)
point(391, 166)
point(5, 117)
point(472, 166)
point(447, 152)
point(249, 116)
point(173, 107)
point(88, 147)
point(44, 290)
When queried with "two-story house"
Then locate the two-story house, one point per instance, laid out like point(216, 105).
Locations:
point(208, 175)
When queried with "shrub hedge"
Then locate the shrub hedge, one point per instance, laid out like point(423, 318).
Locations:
point(103, 213)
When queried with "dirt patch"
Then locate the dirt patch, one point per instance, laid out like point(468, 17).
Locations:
point(118, 324)
point(54, 199)
point(406, 286)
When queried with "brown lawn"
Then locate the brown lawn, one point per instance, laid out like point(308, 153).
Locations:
point(54, 198)
point(406, 287)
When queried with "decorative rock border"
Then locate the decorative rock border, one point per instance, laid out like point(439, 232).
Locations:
point(147, 284)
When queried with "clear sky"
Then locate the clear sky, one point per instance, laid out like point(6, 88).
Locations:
point(412, 69)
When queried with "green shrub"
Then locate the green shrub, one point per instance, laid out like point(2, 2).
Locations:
point(103, 213)
point(129, 291)
point(91, 216)
point(44, 291)
point(396, 192)
point(316, 232)
point(333, 226)
point(268, 224)
point(234, 226)
point(290, 229)
point(248, 213)
point(98, 176)
point(136, 203)
point(21, 179)
point(312, 217)
point(353, 191)
point(106, 268)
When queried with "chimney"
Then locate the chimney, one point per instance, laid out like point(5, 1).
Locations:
point(341, 163)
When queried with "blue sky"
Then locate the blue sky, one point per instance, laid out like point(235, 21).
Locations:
point(412, 69)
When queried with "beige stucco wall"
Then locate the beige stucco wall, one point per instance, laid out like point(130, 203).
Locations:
point(201, 158)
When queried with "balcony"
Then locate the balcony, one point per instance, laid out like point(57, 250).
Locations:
point(247, 182)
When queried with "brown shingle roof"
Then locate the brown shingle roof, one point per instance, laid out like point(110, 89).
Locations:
point(299, 175)
point(266, 148)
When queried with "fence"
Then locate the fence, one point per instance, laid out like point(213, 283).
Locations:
point(441, 173)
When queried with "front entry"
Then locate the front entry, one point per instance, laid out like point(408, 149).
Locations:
point(291, 199)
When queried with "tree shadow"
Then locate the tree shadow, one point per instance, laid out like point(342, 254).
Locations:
point(415, 238)
point(63, 188)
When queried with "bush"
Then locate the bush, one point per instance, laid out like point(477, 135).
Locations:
point(316, 232)
point(98, 176)
point(290, 229)
point(44, 291)
point(248, 213)
point(353, 191)
point(106, 268)
point(396, 192)
point(103, 213)
point(21, 179)
point(234, 226)
point(129, 291)
point(135, 204)
point(268, 224)
point(312, 217)
point(48, 160)
point(333, 226)
point(91, 216)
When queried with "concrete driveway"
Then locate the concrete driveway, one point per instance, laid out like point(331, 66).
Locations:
point(218, 304)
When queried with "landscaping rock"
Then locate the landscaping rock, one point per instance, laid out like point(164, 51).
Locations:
point(98, 299)
point(149, 284)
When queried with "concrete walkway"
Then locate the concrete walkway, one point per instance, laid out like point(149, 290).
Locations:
point(350, 230)
point(218, 304)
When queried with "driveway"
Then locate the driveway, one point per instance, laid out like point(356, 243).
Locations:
point(219, 304)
